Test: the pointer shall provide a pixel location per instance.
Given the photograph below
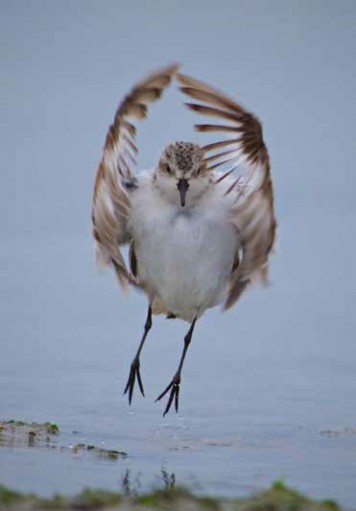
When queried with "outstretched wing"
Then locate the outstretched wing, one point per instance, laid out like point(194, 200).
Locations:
point(252, 211)
point(115, 177)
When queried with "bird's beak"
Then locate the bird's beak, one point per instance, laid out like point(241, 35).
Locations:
point(182, 186)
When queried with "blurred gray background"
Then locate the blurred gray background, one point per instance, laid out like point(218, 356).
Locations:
point(284, 357)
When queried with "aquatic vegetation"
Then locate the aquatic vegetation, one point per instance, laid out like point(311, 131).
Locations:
point(18, 433)
point(52, 428)
point(112, 454)
point(35, 427)
point(8, 497)
point(278, 497)
point(94, 499)
point(282, 498)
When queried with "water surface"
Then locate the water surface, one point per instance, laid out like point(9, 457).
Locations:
point(267, 392)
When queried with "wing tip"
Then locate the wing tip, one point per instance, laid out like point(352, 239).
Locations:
point(170, 70)
point(186, 79)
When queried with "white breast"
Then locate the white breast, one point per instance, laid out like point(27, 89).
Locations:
point(184, 255)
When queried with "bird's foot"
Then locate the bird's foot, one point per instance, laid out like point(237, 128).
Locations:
point(174, 395)
point(134, 373)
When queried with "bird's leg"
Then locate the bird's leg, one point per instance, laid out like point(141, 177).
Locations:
point(174, 385)
point(135, 365)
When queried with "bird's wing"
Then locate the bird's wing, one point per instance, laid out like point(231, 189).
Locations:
point(115, 177)
point(252, 211)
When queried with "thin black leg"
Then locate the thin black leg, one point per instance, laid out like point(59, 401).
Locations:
point(174, 385)
point(135, 365)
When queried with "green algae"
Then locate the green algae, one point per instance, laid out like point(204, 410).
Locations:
point(101, 452)
point(36, 427)
point(19, 433)
point(52, 428)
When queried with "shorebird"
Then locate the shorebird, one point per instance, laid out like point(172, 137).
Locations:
point(200, 226)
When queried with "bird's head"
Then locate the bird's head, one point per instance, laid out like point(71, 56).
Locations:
point(181, 171)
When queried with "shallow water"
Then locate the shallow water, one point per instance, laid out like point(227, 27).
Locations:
point(268, 389)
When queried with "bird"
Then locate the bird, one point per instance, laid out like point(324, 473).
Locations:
point(200, 225)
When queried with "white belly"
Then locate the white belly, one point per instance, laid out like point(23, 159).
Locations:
point(184, 257)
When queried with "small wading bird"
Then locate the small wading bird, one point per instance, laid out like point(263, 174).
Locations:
point(198, 234)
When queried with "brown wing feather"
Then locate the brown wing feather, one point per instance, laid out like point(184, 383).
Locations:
point(115, 177)
point(252, 212)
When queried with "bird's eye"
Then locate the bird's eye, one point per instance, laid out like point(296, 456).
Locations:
point(168, 169)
